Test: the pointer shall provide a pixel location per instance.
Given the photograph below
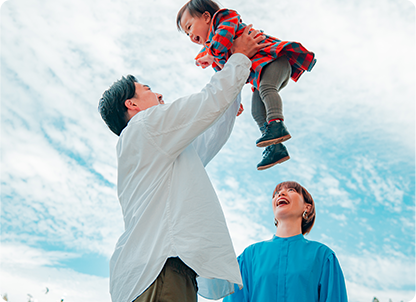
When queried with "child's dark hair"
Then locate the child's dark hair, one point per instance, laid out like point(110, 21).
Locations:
point(196, 8)
point(111, 106)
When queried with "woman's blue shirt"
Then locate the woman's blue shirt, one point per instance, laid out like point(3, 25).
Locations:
point(290, 269)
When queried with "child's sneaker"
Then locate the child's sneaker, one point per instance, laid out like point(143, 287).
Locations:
point(273, 155)
point(273, 133)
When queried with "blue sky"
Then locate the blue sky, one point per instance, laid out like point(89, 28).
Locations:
point(352, 121)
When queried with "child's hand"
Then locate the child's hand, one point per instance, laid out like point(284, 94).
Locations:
point(205, 61)
point(240, 110)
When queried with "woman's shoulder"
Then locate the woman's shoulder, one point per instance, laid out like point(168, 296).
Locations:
point(259, 246)
point(298, 240)
point(254, 246)
point(319, 247)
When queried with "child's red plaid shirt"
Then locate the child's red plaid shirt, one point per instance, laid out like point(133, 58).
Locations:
point(226, 25)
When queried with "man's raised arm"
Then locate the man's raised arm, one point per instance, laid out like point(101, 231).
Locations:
point(181, 122)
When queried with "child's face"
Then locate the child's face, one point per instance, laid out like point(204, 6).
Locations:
point(196, 28)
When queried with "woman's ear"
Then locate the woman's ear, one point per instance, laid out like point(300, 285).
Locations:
point(308, 207)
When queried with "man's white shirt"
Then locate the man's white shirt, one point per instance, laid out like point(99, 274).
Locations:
point(169, 206)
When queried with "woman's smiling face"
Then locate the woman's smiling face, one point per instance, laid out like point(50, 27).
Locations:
point(288, 202)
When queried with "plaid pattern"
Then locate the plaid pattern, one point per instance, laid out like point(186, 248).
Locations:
point(226, 25)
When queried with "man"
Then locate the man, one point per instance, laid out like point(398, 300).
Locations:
point(175, 230)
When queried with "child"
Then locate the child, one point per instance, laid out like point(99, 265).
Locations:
point(214, 28)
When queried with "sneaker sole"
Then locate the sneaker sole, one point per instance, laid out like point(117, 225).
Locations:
point(273, 164)
point(274, 141)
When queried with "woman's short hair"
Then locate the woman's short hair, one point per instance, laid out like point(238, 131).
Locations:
point(307, 224)
point(112, 104)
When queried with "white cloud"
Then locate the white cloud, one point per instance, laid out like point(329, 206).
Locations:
point(18, 282)
point(387, 190)
point(342, 218)
point(25, 270)
point(408, 224)
point(372, 275)
point(22, 255)
point(352, 122)
point(56, 198)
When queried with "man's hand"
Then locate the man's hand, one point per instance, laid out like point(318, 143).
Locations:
point(248, 42)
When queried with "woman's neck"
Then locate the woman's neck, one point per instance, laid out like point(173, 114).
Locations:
point(288, 228)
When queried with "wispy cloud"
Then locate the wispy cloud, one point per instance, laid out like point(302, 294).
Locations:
point(371, 275)
point(351, 119)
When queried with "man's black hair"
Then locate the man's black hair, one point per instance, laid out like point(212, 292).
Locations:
point(111, 106)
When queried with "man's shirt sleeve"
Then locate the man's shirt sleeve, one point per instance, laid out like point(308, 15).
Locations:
point(172, 127)
point(209, 143)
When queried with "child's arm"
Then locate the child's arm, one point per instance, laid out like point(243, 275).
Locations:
point(217, 50)
point(205, 60)
point(222, 41)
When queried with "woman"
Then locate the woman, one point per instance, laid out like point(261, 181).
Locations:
point(290, 268)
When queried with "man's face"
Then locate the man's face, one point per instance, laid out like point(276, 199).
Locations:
point(145, 98)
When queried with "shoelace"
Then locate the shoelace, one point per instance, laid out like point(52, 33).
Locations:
point(267, 151)
point(264, 128)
